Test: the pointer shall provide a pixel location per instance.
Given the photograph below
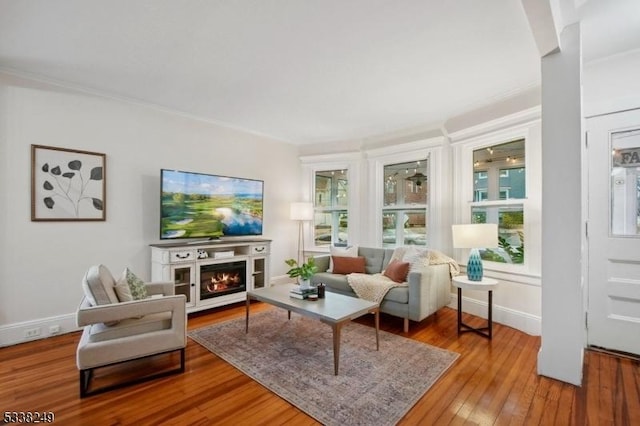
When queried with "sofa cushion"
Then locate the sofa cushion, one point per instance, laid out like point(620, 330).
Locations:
point(375, 259)
point(351, 251)
point(397, 271)
point(97, 285)
point(398, 294)
point(334, 282)
point(348, 265)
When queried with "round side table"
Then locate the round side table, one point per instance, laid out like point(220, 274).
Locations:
point(487, 284)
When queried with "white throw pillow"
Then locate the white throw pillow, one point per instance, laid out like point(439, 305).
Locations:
point(351, 251)
point(418, 258)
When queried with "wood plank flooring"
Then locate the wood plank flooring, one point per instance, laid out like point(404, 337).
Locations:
point(492, 383)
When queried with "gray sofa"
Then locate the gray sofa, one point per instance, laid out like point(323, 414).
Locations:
point(427, 291)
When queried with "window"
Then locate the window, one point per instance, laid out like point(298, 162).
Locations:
point(499, 198)
point(331, 200)
point(480, 186)
point(405, 200)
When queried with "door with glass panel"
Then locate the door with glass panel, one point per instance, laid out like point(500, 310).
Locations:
point(613, 320)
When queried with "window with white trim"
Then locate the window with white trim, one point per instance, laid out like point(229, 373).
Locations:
point(405, 201)
point(499, 198)
point(331, 202)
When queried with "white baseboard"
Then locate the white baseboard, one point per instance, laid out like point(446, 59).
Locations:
point(17, 333)
point(527, 323)
point(27, 331)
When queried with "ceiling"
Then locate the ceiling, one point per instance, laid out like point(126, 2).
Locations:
point(300, 71)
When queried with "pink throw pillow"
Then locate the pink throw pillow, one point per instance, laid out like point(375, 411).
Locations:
point(397, 271)
point(348, 265)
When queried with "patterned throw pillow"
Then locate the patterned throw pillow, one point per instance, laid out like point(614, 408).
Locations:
point(130, 287)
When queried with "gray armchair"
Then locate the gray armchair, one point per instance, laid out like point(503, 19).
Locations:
point(116, 332)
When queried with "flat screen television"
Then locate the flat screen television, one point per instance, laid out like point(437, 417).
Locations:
point(198, 205)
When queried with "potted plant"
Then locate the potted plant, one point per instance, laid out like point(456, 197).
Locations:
point(303, 272)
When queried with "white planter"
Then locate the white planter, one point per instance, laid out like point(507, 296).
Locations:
point(304, 284)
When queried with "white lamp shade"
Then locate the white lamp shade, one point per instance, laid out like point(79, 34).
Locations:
point(476, 235)
point(301, 211)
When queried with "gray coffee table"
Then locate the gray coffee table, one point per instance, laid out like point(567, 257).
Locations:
point(334, 310)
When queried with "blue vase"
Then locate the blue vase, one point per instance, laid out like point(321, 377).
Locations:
point(474, 266)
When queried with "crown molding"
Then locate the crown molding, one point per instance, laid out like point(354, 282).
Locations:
point(517, 119)
point(132, 101)
point(341, 157)
point(405, 147)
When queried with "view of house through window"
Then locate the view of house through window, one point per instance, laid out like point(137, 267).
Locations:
point(404, 211)
point(331, 202)
point(498, 190)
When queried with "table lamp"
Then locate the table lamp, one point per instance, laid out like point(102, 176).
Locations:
point(475, 236)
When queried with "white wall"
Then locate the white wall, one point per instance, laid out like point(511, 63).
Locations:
point(612, 84)
point(42, 263)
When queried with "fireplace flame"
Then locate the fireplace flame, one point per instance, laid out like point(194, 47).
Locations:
point(223, 280)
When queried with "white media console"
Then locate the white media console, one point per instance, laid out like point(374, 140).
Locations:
point(212, 273)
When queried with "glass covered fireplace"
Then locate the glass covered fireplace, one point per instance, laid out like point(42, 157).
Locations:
point(220, 279)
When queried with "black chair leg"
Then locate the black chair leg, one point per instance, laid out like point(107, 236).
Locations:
point(86, 376)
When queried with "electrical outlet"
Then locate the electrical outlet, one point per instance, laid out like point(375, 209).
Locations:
point(54, 329)
point(32, 332)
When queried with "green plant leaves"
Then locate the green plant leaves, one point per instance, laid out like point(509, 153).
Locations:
point(304, 271)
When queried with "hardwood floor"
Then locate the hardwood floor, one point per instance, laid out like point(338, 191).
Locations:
point(493, 382)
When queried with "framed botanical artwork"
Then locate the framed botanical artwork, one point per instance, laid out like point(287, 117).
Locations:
point(67, 184)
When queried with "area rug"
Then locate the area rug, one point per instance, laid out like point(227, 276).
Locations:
point(294, 359)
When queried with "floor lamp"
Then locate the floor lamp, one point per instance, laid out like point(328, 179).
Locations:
point(301, 211)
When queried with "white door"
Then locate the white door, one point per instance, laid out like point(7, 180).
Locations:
point(614, 231)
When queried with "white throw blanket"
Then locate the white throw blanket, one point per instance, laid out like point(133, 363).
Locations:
point(372, 287)
point(439, 258)
point(422, 257)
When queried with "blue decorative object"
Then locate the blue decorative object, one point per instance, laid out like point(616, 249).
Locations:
point(474, 266)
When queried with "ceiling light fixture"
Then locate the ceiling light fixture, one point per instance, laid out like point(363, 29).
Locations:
point(418, 178)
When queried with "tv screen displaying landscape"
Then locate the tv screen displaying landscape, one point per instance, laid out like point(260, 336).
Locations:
point(197, 205)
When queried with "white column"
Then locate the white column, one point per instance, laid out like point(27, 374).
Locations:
point(563, 323)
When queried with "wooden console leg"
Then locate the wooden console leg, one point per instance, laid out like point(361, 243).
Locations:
point(406, 325)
